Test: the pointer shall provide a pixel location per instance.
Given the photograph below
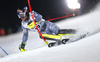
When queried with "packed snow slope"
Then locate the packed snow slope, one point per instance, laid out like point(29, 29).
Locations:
point(84, 50)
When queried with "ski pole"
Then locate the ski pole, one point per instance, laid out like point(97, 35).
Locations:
point(4, 50)
point(35, 23)
point(61, 17)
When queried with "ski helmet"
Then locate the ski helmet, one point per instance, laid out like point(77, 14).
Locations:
point(21, 12)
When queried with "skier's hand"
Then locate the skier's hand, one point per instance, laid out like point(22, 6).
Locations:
point(22, 46)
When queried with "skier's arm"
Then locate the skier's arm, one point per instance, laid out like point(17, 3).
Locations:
point(25, 34)
point(37, 16)
point(24, 39)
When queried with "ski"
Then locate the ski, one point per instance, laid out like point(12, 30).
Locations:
point(66, 40)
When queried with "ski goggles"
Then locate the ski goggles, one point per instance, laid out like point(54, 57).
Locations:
point(20, 13)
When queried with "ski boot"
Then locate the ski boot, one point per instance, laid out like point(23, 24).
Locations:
point(64, 41)
point(51, 44)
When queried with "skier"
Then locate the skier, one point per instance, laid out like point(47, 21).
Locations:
point(47, 29)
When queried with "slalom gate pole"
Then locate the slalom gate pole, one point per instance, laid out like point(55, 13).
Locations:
point(4, 50)
point(61, 17)
point(35, 23)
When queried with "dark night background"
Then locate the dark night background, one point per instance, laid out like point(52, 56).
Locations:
point(48, 8)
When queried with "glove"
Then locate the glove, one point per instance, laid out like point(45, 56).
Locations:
point(22, 46)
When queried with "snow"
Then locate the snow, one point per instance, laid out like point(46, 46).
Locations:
point(84, 50)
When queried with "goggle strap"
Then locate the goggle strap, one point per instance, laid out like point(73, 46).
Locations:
point(25, 10)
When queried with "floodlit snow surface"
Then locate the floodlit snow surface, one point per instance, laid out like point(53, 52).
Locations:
point(84, 50)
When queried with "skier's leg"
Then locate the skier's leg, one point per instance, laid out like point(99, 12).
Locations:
point(51, 31)
point(52, 28)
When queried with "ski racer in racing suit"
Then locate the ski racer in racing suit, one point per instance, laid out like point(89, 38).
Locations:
point(27, 23)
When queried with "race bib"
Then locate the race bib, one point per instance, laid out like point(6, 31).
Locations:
point(31, 25)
